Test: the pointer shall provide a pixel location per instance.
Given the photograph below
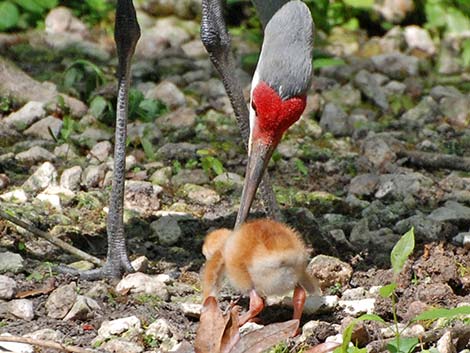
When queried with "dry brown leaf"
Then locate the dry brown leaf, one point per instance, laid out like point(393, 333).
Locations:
point(211, 328)
point(49, 287)
point(232, 332)
point(324, 347)
point(262, 339)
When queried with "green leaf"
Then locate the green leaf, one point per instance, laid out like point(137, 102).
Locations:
point(438, 313)
point(364, 4)
point(403, 344)
point(434, 14)
point(457, 22)
point(47, 4)
point(386, 291)
point(466, 53)
point(10, 15)
point(402, 250)
point(98, 106)
point(30, 5)
point(301, 167)
point(327, 62)
point(347, 333)
point(148, 148)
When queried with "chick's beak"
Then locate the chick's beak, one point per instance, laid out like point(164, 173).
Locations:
point(260, 154)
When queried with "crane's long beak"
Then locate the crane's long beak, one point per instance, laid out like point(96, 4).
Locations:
point(260, 154)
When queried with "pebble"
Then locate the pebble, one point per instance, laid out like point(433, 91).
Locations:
point(363, 184)
point(91, 136)
point(335, 120)
point(8, 287)
point(358, 307)
point(100, 152)
point(61, 300)
point(419, 38)
point(84, 308)
point(161, 176)
point(21, 308)
point(25, 116)
point(70, 178)
point(52, 200)
point(140, 264)
point(15, 347)
point(159, 329)
point(227, 182)
point(178, 151)
point(168, 93)
point(396, 65)
point(330, 271)
point(35, 155)
point(43, 128)
point(119, 345)
point(451, 211)
point(16, 196)
point(46, 334)
point(93, 176)
point(354, 294)
point(445, 344)
point(192, 310)
point(166, 230)
point(142, 283)
point(142, 196)
point(11, 262)
point(65, 151)
point(369, 86)
point(43, 177)
point(200, 194)
point(119, 326)
point(190, 176)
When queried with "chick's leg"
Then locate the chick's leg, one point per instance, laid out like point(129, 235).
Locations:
point(256, 306)
point(298, 302)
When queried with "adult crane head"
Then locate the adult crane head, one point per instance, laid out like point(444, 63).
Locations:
point(278, 90)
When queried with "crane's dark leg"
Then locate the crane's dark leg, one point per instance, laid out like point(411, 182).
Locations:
point(217, 41)
point(126, 35)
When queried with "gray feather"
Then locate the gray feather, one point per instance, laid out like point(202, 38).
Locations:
point(286, 56)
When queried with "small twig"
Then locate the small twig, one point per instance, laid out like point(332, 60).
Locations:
point(56, 241)
point(46, 344)
point(436, 160)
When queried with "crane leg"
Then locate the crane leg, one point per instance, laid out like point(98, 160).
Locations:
point(217, 42)
point(126, 35)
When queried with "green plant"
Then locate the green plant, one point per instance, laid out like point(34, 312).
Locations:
point(209, 163)
point(21, 14)
point(82, 77)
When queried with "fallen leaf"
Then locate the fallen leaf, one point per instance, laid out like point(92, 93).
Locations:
point(49, 287)
point(262, 339)
point(232, 333)
point(211, 328)
point(324, 347)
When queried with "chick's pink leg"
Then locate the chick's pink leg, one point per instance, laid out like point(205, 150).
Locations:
point(298, 302)
point(256, 306)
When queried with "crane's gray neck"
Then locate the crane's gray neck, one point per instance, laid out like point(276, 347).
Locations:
point(285, 62)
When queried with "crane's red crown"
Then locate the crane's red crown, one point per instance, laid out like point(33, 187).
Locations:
point(274, 115)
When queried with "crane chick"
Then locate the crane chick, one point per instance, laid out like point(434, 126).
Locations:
point(262, 258)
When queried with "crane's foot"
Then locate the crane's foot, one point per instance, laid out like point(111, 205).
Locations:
point(115, 268)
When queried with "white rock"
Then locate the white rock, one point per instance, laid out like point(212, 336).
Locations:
point(83, 308)
point(7, 287)
point(65, 151)
point(44, 176)
point(100, 152)
point(122, 346)
point(46, 334)
point(44, 127)
point(21, 308)
point(53, 200)
point(166, 230)
point(168, 93)
point(17, 196)
point(312, 305)
point(140, 264)
point(61, 300)
point(419, 38)
point(15, 347)
point(354, 294)
point(142, 283)
point(119, 326)
point(445, 344)
point(358, 307)
point(70, 178)
point(191, 309)
point(35, 155)
point(160, 329)
point(25, 116)
point(11, 262)
point(58, 190)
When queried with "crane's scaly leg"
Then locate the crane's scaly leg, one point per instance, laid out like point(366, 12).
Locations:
point(217, 42)
point(126, 35)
